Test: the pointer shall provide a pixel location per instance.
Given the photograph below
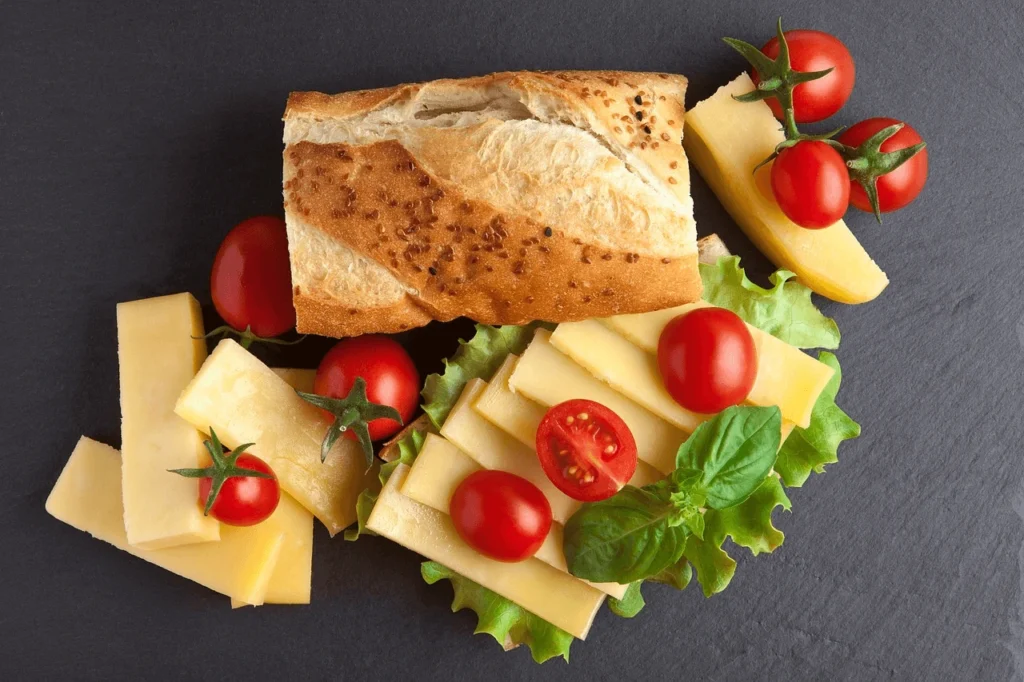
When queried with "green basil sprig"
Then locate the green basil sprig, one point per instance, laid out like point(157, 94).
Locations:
point(641, 533)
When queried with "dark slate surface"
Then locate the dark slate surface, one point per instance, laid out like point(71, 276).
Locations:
point(132, 139)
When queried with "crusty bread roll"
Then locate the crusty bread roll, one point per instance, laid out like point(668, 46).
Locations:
point(506, 198)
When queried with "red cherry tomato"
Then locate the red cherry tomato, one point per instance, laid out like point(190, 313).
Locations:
point(391, 378)
point(251, 282)
point(243, 500)
point(815, 51)
point(707, 359)
point(500, 515)
point(901, 186)
point(586, 450)
point(811, 184)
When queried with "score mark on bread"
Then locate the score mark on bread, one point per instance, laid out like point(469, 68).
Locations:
point(505, 198)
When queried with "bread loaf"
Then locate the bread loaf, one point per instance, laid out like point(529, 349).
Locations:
point(505, 198)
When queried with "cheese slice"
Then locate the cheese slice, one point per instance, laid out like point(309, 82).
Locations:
point(160, 349)
point(88, 496)
point(520, 417)
point(299, 379)
point(545, 375)
point(543, 590)
point(292, 577)
point(244, 401)
point(725, 140)
point(494, 449)
point(439, 469)
point(786, 376)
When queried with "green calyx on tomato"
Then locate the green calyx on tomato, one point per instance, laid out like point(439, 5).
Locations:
point(247, 338)
point(228, 466)
point(867, 163)
point(351, 413)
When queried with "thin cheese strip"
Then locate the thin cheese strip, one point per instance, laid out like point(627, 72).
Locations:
point(543, 590)
point(291, 581)
point(494, 449)
point(633, 372)
point(546, 376)
point(520, 417)
point(786, 376)
point(88, 496)
point(439, 469)
point(159, 350)
point(246, 402)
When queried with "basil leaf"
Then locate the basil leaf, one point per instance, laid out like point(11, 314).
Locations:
point(735, 450)
point(634, 534)
point(631, 603)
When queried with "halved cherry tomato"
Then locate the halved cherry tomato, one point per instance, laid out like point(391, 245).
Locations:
point(815, 51)
point(391, 378)
point(251, 281)
point(707, 359)
point(500, 515)
point(811, 184)
point(586, 450)
point(244, 500)
point(899, 187)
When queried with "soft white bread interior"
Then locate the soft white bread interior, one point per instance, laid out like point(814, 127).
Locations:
point(505, 198)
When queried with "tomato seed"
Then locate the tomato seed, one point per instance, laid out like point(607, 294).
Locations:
point(609, 450)
point(582, 416)
point(569, 420)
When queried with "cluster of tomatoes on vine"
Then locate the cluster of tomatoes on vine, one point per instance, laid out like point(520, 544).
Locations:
point(877, 165)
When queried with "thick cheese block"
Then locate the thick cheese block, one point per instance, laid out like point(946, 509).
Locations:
point(519, 417)
point(544, 375)
point(786, 376)
point(494, 449)
point(439, 469)
point(246, 402)
point(543, 590)
point(292, 577)
point(299, 379)
point(159, 351)
point(725, 140)
point(88, 496)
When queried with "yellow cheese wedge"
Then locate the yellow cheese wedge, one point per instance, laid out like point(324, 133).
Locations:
point(543, 590)
point(725, 140)
point(439, 469)
point(246, 402)
point(292, 577)
point(299, 379)
point(786, 376)
point(494, 449)
point(158, 355)
point(548, 377)
point(88, 496)
point(520, 417)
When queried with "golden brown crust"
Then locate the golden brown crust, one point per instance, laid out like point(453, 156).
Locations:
point(459, 256)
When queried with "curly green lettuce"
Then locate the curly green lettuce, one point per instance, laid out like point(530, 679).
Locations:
point(508, 623)
point(809, 450)
point(785, 310)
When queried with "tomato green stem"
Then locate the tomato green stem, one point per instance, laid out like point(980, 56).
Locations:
point(247, 338)
point(222, 468)
point(354, 412)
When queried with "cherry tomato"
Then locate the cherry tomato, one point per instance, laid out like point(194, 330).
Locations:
point(500, 515)
point(811, 184)
point(251, 282)
point(815, 51)
point(901, 186)
point(243, 500)
point(586, 450)
point(391, 378)
point(707, 359)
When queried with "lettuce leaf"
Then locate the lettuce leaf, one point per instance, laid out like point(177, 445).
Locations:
point(748, 523)
point(631, 603)
point(509, 624)
point(479, 357)
point(810, 449)
point(784, 311)
point(408, 448)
